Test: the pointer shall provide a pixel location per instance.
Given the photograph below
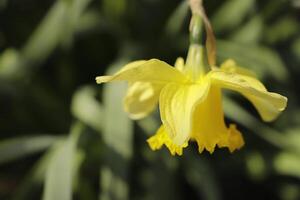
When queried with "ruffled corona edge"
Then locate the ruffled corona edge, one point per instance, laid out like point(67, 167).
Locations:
point(162, 138)
point(233, 140)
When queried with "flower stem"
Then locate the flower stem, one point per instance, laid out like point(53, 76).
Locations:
point(195, 63)
point(196, 30)
point(198, 14)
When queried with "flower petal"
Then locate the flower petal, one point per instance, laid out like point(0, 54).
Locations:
point(141, 98)
point(177, 104)
point(148, 71)
point(179, 64)
point(209, 128)
point(235, 139)
point(162, 138)
point(268, 104)
point(231, 66)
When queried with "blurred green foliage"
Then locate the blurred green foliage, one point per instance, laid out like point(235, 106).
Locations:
point(63, 137)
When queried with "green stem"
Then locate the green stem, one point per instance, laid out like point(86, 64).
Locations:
point(196, 29)
point(195, 63)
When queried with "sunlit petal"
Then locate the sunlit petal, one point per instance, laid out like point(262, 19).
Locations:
point(268, 104)
point(147, 71)
point(162, 138)
point(209, 128)
point(231, 66)
point(177, 104)
point(141, 98)
point(179, 64)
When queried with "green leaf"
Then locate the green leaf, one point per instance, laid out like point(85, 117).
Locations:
point(16, 148)
point(283, 29)
point(114, 9)
point(177, 18)
point(256, 166)
point(75, 10)
point(57, 27)
point(231, 14)
point(36, 175)
point(59, 172)
point(9, 62)
point(118, 127)
point(287, 164)
point(292, 138)
point(47, 35)
point(117, 135)
point(263, 61)
point(296, 48)
point(200, 176)
point(89, 21)
point(250, 32)
point(87, 109)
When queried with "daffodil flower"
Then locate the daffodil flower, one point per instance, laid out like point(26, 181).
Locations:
point(190, 102)
point(189, 95)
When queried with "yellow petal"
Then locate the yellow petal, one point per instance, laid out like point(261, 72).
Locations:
point(209, 128)
point(179, 64)
point(231, 66)
point(177, 104)
point(162, 138)
point(234, 140)
point(156, 142)
point(141, 98)
point(147, 71)
point(268, 104)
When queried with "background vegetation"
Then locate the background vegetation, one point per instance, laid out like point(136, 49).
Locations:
point(63, 137)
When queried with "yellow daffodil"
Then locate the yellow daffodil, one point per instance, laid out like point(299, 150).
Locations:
point(190, 99)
